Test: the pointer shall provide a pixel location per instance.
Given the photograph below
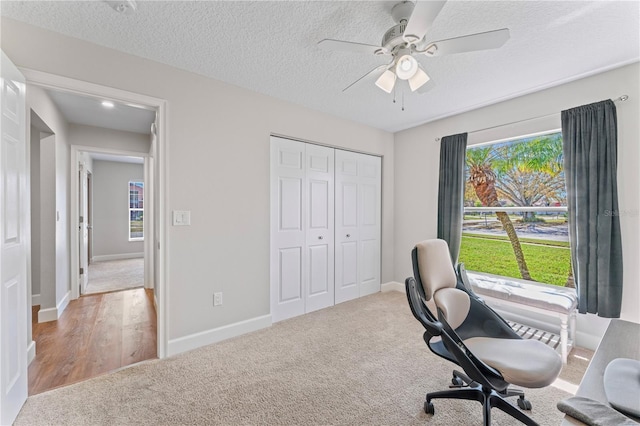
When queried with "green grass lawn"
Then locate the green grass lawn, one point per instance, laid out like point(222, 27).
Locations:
point(548, 261)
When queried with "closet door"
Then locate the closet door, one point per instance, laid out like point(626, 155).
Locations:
point(358, 204)
point(287, 228)
point(319, 227)
point(369, 225)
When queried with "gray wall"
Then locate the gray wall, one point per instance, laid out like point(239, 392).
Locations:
point(54, 202)
point(35, 214)
point(217, 167)
point(111, 209)
point(109, 139)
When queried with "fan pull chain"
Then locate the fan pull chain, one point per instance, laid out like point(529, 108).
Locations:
point(403, 100)
point(394, 93)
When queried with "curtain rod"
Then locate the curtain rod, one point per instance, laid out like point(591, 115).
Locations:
point(619, 99)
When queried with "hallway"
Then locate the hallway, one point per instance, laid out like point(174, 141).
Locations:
point(96, 334)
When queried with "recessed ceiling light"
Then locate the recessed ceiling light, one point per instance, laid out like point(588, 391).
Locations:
point(107, 104)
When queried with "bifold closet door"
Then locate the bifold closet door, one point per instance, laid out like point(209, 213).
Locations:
point(358, 225)
point(302, 228)
point(319, 209)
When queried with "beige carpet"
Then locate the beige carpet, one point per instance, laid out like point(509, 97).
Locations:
point(112, 275)
point(362, 362)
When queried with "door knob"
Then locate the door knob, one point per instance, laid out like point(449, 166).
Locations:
point(348, 235)
point(320, 237)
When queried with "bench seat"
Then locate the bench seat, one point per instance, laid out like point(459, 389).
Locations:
point(559, 302)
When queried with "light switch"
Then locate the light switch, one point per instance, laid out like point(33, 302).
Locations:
point(181, 218)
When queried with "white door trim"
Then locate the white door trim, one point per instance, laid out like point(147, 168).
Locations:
point(84, 88)
point(75, 223)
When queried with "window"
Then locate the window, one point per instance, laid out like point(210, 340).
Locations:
point(136, 210)
point(515, 215)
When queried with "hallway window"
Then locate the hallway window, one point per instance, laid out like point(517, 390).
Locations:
point(136, 210)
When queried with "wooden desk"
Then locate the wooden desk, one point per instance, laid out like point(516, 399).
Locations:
point(621, 340)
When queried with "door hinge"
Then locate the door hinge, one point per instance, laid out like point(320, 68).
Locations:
point(81, 219)
point(81, 271)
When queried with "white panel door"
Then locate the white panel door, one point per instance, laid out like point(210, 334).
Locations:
point(347, 195)
point(288, 224)
point(358, 204)
point(319, 289)
point(83, 231)
point(13, 245)
point(369, 215)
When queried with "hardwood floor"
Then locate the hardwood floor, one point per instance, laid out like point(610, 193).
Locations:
point(96, 334)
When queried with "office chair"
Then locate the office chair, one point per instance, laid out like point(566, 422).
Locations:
point(476, 338)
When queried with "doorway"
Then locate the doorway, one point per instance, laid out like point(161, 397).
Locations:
point(136, 341)
point(111, 215)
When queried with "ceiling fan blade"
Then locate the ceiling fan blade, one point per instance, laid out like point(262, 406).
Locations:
point(373, 71)
point(351, 47)
point(424, 13)
point(471, 42)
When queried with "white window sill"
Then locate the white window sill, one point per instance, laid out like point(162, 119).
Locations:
point(131, 240)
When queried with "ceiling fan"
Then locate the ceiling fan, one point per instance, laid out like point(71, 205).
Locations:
point(407, 38)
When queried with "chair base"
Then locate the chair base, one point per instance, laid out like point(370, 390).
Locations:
point(489, 399)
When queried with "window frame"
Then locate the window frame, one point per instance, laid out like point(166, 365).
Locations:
point(134, 209)
point(535, 209)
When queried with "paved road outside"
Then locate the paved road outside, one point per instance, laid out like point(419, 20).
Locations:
point(553, 233)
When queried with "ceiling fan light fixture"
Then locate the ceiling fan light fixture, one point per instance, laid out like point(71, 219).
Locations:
point(418, 79)
point(406, 67)
point(386, 81)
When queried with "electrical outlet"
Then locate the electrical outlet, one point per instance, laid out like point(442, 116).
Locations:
point(217, 299)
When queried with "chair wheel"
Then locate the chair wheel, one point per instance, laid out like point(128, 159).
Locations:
point(524, 404)
point(457, 381)
point(428, 408)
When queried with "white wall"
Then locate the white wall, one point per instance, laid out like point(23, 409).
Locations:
point(99, 137)
point(218, 168)
point(417, 162)
point(111, 209)
point(54, 188)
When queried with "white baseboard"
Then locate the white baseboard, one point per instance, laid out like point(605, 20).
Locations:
point(120, 256)
point(63, 303)
point(46, 315)
point(35, 299)
point(203, 338)
point(392, 286)
point(52, 314)
point(31, 352)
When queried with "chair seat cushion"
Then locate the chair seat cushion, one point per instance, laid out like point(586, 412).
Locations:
point(521, 362)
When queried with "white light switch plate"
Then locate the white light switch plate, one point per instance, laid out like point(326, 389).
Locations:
point(181, 218)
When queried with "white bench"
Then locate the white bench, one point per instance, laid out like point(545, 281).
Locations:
point(558, 302)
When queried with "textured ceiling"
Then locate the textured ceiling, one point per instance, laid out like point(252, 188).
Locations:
point(270, 47)
point(89, 111)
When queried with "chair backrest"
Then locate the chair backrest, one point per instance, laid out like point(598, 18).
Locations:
point(439, 281)
point(434, 264)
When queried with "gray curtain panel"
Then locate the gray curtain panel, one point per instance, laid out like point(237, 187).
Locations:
point(590, 139)
point(453, 151)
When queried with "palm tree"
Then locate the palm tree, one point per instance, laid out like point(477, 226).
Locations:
point(531, 172)
point(480, 163)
